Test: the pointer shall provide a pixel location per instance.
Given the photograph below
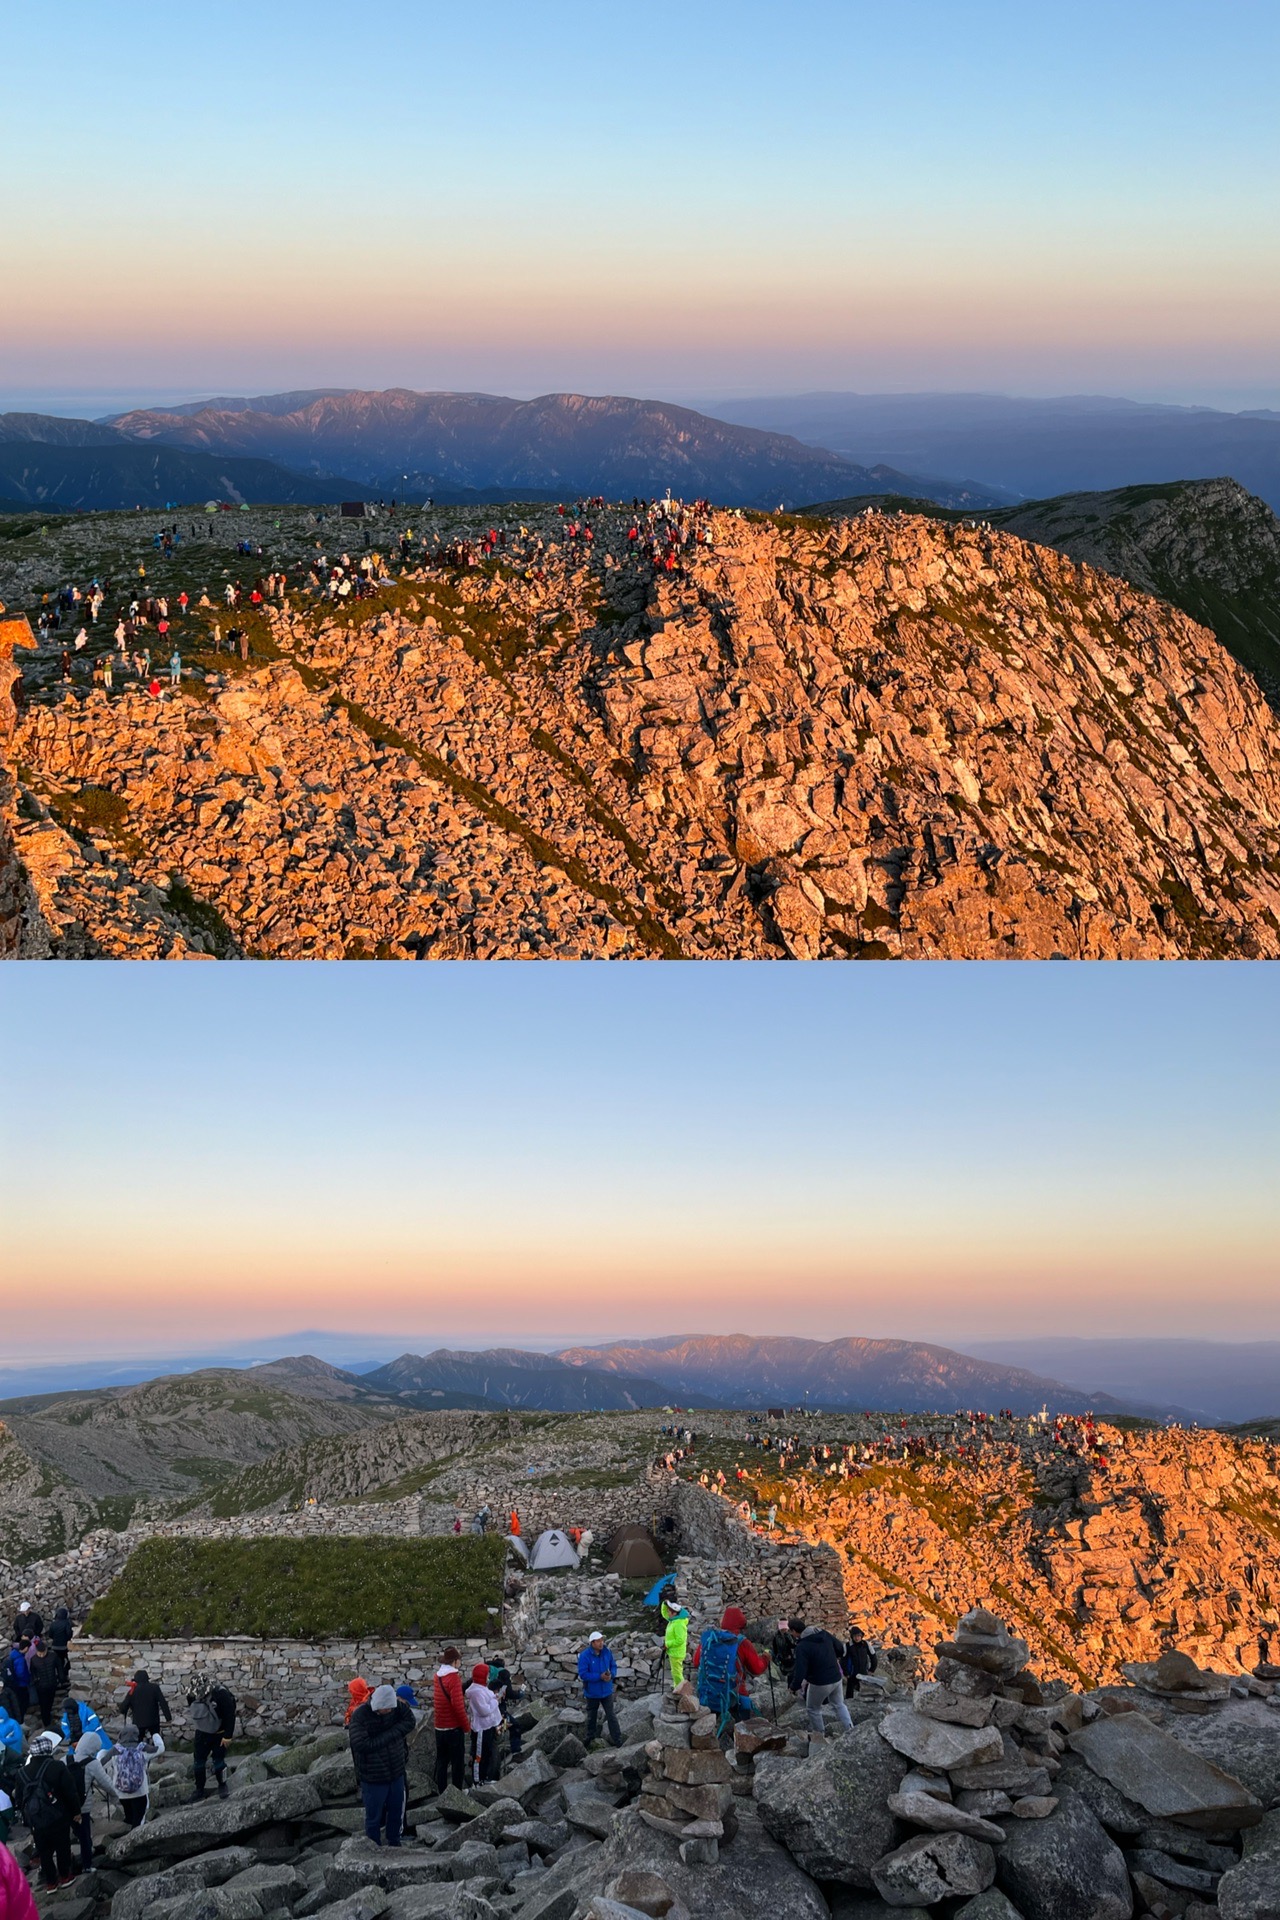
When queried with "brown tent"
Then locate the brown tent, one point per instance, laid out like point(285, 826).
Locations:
point(637, 1560)
point(633, 1531)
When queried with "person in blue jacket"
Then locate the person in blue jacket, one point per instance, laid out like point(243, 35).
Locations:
point(79, 1711)
point(12, 1738)
point(598, 1672)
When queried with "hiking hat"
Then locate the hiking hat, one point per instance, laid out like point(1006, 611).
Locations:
point(407, 1694)
point(384, 1700)
point(128, 1736)
point(88, 1745)
point(597, 1635)
point(480, 1675)
point(46, 1742)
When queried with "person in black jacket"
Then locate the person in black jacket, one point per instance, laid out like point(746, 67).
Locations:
point(59, 1638)
point(28, 1624)
point(380, 1732)
point(145, 1703)
point(818, 1672)
point(43, 1663)
point(51, 1801)
point(859, 1658)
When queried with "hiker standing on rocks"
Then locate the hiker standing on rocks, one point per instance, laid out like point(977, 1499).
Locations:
point(676, 1638)
point(598, 1672)
point(129, 1774)
point(27, 1624)
point(380, 1734)
point(485, 1716)
point(452, 1721)
point(358, 1691)
point(90, 1777)
point(212, 1713)
point(725, 1662)
point(144, 1704)
point(50, 1802)
point(817, 1671)
point(43, 1663)
point(15, 1680)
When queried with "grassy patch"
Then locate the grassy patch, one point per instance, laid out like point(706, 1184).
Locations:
point(202, 918)
point(311, 1589)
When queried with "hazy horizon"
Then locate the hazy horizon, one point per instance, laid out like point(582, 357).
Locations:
point(710, 199)
point(221, 1153)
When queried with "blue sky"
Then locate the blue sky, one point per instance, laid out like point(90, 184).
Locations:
point(688, 199)
point(200, 1154)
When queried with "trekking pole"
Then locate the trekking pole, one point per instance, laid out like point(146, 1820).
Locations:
point(772, 1695)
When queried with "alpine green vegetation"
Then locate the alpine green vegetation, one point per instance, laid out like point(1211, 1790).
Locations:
point(333, 1587)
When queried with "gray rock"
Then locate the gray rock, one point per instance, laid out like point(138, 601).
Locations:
point(361, 1864)
point(1065, 1868)
point(754, 1878)
point(937, 1702)
point(204, 1903)
point(1173, 1873)
point(933, 1867)
point(1164, 1776)
point(1251, 1891)
point(428, 1902)
point(1010, 1775)
point(934, 1743)
point(1166, 1837)
point(990, 1802)
point(368, 1904)
point(478, 1858)
point(524, 1780)
point(1243, 1740)
point(212, 1823)
point(454, 1804)
point(830, 1811)
point(591, 1814)
point(939, 1816)
point(491, 1824)
point(540, 1836)
point(991, 1905)
point(846, 1905)
point(274, 1888)
point(935, 1783)
point(1117, 1813)
point(205, 1870)
point(335, 1775)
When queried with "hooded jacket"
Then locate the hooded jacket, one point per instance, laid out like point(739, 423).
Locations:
point(89, 1723)
point(358, 1693)
point(676, 1638)
point(750, 1659)
point(380, 1743)
point(93, 1775)
point(817, 1662)
point(483, 1710)
point(449, 1701)
point(17, 1902)
point(60, 1631)
point(146, 1703)
point(11, 1734)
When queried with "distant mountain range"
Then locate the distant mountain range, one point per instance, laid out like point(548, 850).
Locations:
point(80, 466)
point(1207, 546)
point(508, 1377)
point(411, 444)
point(1218, 1380)
point(1032, 448)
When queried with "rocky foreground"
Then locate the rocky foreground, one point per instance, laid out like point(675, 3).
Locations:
point(883, 738)
point(979, 1792)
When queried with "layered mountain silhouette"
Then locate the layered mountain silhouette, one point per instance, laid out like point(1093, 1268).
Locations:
point(411, 444)
point(1034, 448)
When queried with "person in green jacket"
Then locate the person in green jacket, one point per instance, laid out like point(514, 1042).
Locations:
point(677, 1635)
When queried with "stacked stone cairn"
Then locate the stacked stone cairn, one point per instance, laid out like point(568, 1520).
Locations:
point(691, 1782)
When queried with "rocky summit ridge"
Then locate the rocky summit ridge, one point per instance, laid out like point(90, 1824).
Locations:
point(884, 737)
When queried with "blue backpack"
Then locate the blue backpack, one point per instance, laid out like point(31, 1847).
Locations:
point(718, 1671)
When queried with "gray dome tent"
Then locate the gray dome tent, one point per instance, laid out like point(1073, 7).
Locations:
point(552, 1549)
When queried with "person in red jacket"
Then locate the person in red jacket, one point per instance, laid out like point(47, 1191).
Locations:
point(358, 1691)
point(451, 1720)
point(751, 1662)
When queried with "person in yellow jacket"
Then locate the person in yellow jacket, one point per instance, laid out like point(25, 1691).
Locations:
point(677, 1636)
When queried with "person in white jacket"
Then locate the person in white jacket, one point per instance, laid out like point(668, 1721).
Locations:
point(129, 1772)
point(485, 1715)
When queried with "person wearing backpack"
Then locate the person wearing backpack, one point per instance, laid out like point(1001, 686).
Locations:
point(598, 1672)
point(50, 1802)
point(208, 1719)
point(725, 1662)
point(129, 1773)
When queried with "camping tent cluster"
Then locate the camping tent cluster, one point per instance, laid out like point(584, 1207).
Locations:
point(631, 1550)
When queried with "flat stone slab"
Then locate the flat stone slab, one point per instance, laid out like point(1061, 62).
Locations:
point(1170, 1780)
point(939, 1816)
point(935, 1743)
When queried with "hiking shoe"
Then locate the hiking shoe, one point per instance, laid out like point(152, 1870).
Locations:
point(224, 1791)
point(199, 1794)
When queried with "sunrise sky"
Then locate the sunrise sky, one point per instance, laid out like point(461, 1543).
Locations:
point(199, 1155)
point(691, 198)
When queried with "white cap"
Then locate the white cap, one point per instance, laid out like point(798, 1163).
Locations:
point(597, 1635)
